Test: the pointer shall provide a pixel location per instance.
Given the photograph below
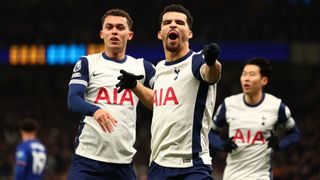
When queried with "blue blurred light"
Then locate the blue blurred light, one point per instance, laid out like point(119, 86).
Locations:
point(4, 55)
point(75, 52)
point(64, 54)
point(51, 54)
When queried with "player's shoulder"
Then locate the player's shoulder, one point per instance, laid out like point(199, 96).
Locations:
point(36, 144)
point(236, 98)
point(87, 59)
point(131, 58)
point(24, 146)
point(21, 145)
point(193, 53)
point(135, 59)
point(194, 56)
point(271, 98)
point(161, 63)
point(91, 57)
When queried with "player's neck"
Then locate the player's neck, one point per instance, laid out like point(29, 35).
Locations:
point(253, 98)
point(173, 56)
point(115, 55)
point(28, 136)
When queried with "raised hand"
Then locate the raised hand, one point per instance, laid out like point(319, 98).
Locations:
point(211, 53)
point(127, 80)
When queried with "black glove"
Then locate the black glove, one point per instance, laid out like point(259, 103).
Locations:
point(127, 80)
point(273, 142)
point(211, 53)
point(229, 145)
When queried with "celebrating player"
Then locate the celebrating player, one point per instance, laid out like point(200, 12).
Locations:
point(104, 146)
point(253, 117)
point(182, 100)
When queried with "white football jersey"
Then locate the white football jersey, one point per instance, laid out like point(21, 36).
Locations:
point(251, 126)
point(182, 113)
point(99, 75)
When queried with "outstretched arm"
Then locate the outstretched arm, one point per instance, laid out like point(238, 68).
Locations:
point(144, 94)
point(211, 70)
point(129, 81)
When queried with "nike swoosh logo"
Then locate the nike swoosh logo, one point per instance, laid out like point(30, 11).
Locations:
point(96, 74)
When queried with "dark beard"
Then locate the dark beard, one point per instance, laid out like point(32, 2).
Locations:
point(172, 48)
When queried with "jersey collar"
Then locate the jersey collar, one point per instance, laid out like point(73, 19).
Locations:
point(179, 60)
point(114, 60)
point(254, 105)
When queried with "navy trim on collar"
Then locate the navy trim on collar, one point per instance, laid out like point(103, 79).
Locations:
point(254, 105)
point(167, 63)
point(114, 60)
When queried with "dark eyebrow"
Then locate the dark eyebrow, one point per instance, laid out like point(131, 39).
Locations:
point(115, 25)
point(176, 20)
point(110, 24)
point(179, 21)
point(167, 20)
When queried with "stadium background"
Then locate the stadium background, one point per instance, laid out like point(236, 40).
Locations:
point(34, 75)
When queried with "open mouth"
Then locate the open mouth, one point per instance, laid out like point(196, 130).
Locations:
point(246, 86)
point(173, 36)
point(114, 39)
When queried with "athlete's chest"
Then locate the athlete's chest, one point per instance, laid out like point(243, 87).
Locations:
point(251, 119)
point(175, 84)
point(251, 125)
point(105, 73)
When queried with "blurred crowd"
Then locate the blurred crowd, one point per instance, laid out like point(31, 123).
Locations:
point(78, 21)
point(41, 92)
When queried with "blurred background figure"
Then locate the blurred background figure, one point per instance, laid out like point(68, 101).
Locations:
point(31, 155)
point(252, 117)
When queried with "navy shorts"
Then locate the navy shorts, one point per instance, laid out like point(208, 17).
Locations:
point(87, 169)
point(198, 172)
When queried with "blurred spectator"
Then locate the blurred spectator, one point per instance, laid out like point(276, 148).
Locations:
point(254, 20)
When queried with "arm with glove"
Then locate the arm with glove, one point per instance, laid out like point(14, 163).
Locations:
point(211, 71)
point(130, 81)
point(292, 137)
point(216, 143)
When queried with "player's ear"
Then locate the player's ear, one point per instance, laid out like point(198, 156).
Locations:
point(190, 34)
point(264, 80)
point(101, 34)
point(159, 35)
point(130, 35)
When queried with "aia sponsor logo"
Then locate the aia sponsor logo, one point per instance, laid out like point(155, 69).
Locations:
point(113, 97)
point(163, 97)
point(246, 136)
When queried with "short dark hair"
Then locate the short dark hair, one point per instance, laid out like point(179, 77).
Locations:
point(118, 12)
point(180, 9)
point(29, 125)
point(264, 65)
